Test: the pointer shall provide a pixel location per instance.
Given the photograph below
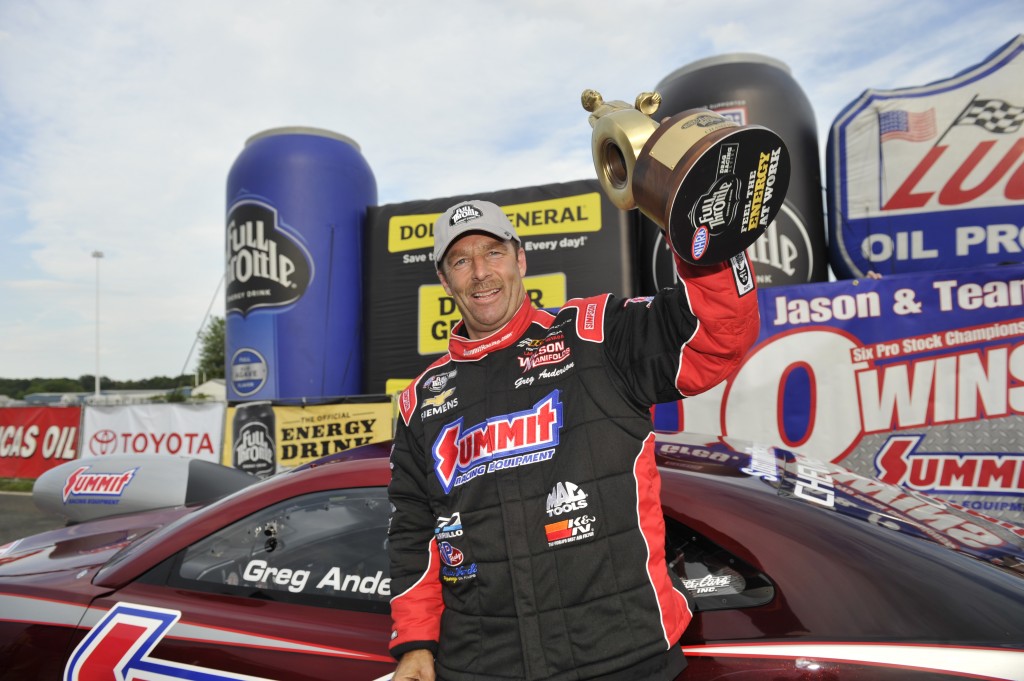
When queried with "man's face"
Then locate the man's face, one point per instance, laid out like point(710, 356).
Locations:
point(485, 277)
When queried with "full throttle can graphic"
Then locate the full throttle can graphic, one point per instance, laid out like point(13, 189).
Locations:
point(253, 443)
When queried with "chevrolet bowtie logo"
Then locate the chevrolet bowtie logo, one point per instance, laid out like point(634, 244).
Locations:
point(440, 399)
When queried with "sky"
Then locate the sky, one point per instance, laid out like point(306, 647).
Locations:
point(121, 120)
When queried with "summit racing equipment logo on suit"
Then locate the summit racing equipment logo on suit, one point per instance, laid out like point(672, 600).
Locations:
point(505, 441)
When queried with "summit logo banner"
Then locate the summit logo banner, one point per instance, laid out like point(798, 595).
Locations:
point(500, 442)
point(98, 488)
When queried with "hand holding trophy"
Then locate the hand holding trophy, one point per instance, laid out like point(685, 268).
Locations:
point(713, 186)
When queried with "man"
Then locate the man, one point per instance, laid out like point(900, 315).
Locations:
point(526, 537)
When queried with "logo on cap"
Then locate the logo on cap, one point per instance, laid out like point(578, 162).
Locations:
point(463, 213)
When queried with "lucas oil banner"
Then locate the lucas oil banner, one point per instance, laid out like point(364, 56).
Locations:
point(35, 439)
point(263, 438)
point(917, 379)
point(931, 177)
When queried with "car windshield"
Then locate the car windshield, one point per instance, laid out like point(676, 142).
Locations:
point(169, 529)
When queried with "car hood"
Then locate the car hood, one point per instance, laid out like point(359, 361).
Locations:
point(81, 546)
point(833, 488)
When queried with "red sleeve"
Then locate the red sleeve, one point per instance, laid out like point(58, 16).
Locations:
point(416, 603)
point(724, 301)
point(686, 339)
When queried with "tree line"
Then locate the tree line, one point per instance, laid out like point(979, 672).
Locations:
point(210, 364)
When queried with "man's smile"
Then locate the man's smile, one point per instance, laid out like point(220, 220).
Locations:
point(487, 293)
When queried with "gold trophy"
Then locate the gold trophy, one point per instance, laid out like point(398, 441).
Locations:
point(712, 185)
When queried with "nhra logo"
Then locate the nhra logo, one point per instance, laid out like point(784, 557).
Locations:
point(700, 242)
point(497, 442)
point(449, 527)
point(566, 497)
point(105, 488)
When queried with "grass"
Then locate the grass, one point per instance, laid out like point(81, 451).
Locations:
point(15, 485)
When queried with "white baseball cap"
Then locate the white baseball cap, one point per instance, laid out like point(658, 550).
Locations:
point(470, 216)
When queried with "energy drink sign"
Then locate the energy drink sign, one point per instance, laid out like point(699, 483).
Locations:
point(916, 379)
point(931, 177)
point(262, 438)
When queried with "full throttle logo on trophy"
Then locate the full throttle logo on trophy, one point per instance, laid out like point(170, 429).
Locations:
point(713, 186)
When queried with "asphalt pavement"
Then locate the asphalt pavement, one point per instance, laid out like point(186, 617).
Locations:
point(19, 517)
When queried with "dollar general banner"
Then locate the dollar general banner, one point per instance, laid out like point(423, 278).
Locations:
point(36, 439)
point(917, 379)
point(264, 438)
point(577, 243)
point(930, 177)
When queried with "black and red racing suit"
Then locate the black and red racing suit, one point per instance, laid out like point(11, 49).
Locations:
point(526, 533)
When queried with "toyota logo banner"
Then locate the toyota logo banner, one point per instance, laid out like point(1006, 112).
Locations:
point(188, 430)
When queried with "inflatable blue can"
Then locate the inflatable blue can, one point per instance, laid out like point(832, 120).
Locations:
point(297, 200)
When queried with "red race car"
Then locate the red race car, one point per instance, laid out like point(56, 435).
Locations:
point(799, 569)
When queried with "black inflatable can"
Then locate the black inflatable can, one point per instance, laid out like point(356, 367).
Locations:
point(753, 89)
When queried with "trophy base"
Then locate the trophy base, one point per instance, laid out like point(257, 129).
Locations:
point(712, 186)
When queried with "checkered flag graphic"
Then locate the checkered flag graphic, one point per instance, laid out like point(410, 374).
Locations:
point(994, 115)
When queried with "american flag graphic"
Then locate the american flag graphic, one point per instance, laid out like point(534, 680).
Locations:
point(907, 125)
point(994, 115)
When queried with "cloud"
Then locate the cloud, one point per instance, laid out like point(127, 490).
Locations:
point(122, 120)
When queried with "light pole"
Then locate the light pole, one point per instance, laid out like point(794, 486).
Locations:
point(97, 255)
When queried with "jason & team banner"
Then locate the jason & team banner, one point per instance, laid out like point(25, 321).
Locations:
point(35, 439)
point(187, 430)
point(917, 379)
point(263, 438)
point(931, 177)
